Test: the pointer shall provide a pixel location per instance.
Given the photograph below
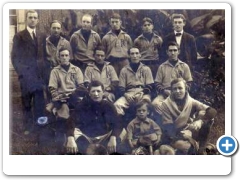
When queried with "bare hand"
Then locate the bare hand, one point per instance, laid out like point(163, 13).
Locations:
point(158, 140)
point(108, 88)
point(112, 144)
point(106, 94)
point(71, 146)
point(167, 92)
point(196, 125)
point(61, 97)
point(186, 133)
point(129, 98)
point(138, 97)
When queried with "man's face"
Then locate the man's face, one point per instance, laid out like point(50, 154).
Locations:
point(56, 29)
point(142, 112)
point(32, 20)
point(173, 52)
point(86, 22)
point(96, 93)
point(178, 24)
point(135, 55)
point(179, 90)
point(147, 27)
point(64, 57)
point(99, 56)
point(115, 23)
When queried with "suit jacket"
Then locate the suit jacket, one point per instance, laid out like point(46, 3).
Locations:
point(188, 48)
point(27, 59)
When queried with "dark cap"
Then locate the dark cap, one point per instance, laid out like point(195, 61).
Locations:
point(147, 19)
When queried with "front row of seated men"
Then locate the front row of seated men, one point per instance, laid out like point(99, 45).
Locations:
point(96, 120)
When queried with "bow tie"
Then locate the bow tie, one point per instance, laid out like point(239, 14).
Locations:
point(178, 34)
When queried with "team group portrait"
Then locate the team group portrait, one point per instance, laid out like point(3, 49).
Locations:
point(116, 82)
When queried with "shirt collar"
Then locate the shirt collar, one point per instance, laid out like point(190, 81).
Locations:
point(30, 30)
point(121, 32)
point(147, 120)
point(179, 62)
point(71, 68)
point(178, 32)
point(48, 40)
point(154, 35)
point(139, 67)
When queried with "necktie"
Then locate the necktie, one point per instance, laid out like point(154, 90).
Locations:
point(178, 34)
point(34, 36)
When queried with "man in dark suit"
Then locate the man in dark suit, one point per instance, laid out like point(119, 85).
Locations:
point(27, 60)
point(186, 41)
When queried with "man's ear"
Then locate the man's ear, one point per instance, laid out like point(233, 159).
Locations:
point(179, 51)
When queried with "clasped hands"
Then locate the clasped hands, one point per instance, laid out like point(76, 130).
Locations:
point(62, 97)
point(135, 98)
point(195, 125)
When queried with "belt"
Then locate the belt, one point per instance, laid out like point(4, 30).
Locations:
point(137, 86)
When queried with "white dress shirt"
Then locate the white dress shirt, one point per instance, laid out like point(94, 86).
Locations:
point(30, 30)
point(178, 38)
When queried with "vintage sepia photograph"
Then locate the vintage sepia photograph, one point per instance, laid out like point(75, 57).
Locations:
point(116, 82)
point(83, 80)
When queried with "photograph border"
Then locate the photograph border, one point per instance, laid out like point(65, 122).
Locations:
point(101, 165)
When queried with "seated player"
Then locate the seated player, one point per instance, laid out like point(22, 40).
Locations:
point(95, 121)
point(104, 72)
point(171, 69)
point(181, 114)
point(135, 83)
point(65, 85)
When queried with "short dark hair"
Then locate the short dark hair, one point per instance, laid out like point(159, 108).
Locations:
point(55, 21)
point(143, 102)
point(95, 84)
point(177, 80)
point(134, 47)
point(115, 16)
point(63, 49)
point(174, 16)
point(98, 48)
point(31, 11)
point(172, 43)
point(147, 19)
